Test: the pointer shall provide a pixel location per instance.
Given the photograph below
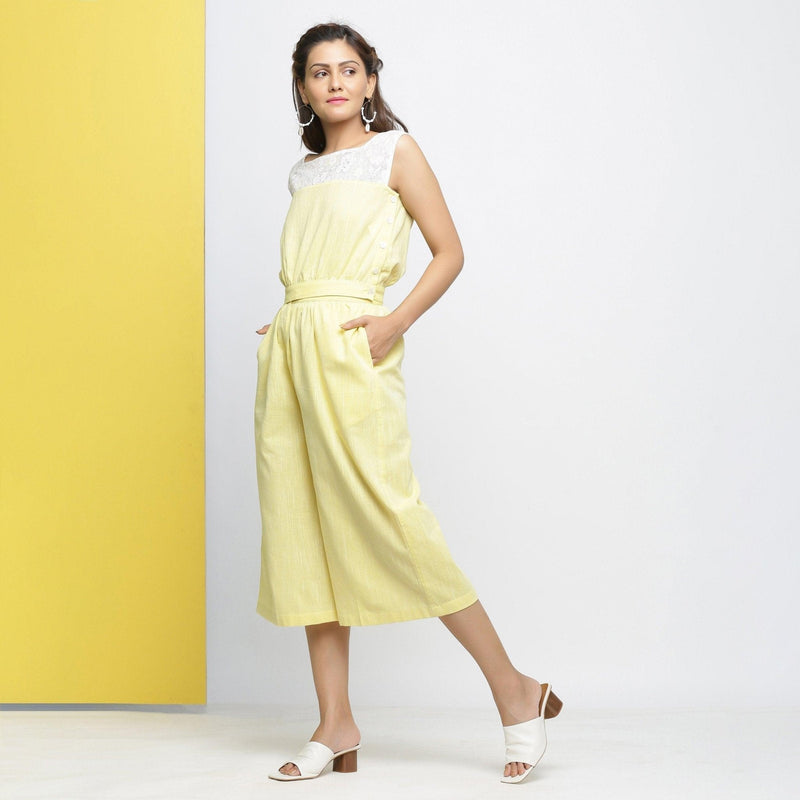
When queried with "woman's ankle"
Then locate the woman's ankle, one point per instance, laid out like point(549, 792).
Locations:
point(516, 698)
point(336, 720)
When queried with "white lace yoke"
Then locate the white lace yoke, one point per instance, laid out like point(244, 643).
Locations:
point(371, 162)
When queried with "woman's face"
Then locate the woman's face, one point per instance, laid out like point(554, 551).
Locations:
point(336, 81)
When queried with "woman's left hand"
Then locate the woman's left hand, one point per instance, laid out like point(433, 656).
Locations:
point(382, 333)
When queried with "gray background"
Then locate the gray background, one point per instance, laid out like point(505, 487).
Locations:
point(604, 405)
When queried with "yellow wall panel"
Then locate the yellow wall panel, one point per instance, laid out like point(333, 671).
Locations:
point(102, 559)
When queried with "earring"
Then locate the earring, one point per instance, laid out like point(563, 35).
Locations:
point(367, 122)
point(304, 124)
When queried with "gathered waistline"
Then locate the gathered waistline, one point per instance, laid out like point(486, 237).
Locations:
point(336, 288)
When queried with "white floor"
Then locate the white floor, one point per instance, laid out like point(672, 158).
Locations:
point(225, 753)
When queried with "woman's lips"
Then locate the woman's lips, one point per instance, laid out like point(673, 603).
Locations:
point(337, 100)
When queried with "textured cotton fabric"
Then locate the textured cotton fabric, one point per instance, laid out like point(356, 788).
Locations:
point(345, 535)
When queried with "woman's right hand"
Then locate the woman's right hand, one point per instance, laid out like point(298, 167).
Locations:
point(263, 330)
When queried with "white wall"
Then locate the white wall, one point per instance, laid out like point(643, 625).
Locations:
point(604, 407)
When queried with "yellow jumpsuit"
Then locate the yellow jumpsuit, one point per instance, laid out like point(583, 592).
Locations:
point(345, 535)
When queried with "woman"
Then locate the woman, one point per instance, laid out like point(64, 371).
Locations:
point(346, 539)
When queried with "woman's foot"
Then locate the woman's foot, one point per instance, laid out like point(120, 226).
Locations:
point(338, 736)
point(519, 703)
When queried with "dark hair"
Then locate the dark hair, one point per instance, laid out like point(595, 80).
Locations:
point(313, 134)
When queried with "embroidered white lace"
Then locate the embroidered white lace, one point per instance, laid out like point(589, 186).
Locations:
point(371, 162)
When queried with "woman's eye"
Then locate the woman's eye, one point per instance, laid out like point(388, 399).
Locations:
point(323, 72)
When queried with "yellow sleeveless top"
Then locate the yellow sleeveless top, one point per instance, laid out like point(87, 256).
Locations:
point(344, 222)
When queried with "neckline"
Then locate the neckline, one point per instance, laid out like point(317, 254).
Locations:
point(343, 150)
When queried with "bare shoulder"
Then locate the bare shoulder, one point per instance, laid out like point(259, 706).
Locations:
point(409, 163)
point(407, 150)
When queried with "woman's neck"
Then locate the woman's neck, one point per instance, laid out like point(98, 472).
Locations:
point(344, 136)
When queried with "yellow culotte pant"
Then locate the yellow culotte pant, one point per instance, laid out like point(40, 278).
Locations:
point(345, 535)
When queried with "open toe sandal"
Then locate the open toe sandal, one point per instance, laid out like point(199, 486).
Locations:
point(527, 741)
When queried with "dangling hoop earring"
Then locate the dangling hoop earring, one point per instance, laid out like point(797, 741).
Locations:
point(367, 122)
point(304, 124)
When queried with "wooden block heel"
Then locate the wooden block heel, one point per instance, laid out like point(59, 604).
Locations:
point(347, 762)
point(553, 706)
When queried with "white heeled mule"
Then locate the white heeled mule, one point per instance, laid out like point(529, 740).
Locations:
point(314, 757)
point(527, 741)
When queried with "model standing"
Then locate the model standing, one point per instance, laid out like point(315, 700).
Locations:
point(346, 539)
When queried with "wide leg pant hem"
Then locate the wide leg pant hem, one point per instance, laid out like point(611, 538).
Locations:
point(313, 618)
point(366, 618)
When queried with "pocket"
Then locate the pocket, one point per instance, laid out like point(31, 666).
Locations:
point(261, 344)
point(363, 344)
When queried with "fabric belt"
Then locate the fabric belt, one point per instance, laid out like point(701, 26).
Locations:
point(363, 291)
